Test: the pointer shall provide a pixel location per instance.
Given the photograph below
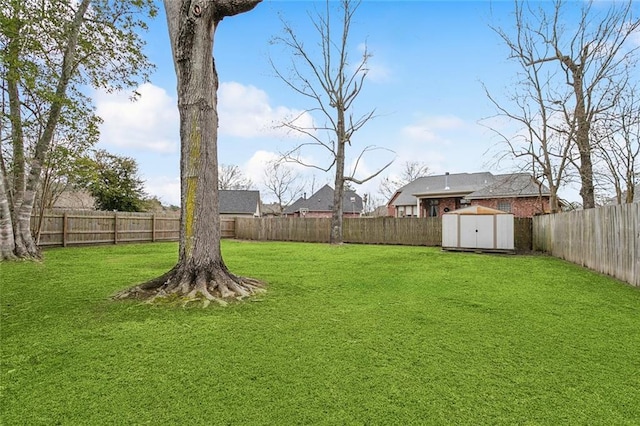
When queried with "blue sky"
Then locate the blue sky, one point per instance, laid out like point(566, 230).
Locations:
point(429, 60)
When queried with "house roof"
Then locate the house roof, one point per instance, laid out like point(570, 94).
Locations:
point(438, 185)
point(468, 185)
point(80, 200)
point(233, 201)
point(271, 209)
point(322, 201)
point(510, 185)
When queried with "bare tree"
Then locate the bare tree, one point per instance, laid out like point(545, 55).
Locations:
point(539, 144)
point(582, 64)
point(332, 83)
point(618, 148)
point(411, 170)
point(371, 203)
point(200, 272)
point(231, 177)
point(283, 183)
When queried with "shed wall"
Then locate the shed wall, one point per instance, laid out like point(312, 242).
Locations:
point(470, 231)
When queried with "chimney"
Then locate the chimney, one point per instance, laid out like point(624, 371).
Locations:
point(446, 181)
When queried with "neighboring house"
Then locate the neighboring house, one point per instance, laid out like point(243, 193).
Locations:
point(636, 196)
point(239, 203)
point(271, 210)
point(381, 211)
point(320, 204)
point(74, 200)
point(432, 196)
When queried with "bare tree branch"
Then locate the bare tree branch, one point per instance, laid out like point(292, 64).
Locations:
point(330, 82)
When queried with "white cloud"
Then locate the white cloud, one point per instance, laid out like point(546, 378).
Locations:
point(254, 168)
point(167, 189)
point(419, 133)
point(245, 112)
point(430, 129)
point(376, 71)
point(446, 143)
point(150, 124)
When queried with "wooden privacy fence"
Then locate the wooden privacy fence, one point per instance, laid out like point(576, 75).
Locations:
point(606, 239)
point(382, 230)
point(312, 230)
point(390, 230)
point(91, 227)
point(98, 227)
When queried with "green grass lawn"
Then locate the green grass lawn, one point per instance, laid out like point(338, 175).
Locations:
point(345, 335)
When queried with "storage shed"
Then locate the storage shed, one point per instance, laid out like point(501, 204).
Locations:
point(478, 228)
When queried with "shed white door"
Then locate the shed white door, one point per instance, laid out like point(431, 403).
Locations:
point(504, 232)
point(476, 231)
point(450, 230)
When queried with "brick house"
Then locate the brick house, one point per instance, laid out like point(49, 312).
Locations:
point(320, 204)
point(432, 196)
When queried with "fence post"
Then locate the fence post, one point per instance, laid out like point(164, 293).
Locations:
point(64, 229)
point(153, 228)
point(115, 228)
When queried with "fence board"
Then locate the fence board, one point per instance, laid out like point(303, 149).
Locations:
point(606, 239)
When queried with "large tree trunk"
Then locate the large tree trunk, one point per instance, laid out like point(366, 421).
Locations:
point(338, 208)
point(200, 272)
point(583, 142)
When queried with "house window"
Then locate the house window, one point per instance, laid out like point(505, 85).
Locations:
point(401, 211)
point(505, 206)
point(433, 208)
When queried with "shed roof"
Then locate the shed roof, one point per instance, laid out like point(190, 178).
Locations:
point(477, 210)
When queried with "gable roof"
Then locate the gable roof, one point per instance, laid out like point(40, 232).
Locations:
point(432, 186)
point(470, 186)
point(234, 201)
point(79, 200)
point(510, 185)
point(322, 201)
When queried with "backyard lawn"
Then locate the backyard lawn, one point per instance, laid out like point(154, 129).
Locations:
point(355, 334)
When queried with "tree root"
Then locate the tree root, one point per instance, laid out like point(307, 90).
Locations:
point(185, 285)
